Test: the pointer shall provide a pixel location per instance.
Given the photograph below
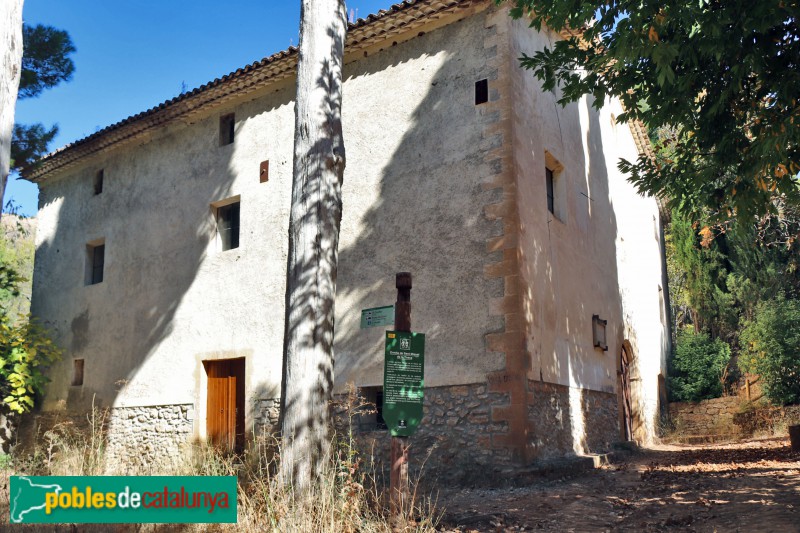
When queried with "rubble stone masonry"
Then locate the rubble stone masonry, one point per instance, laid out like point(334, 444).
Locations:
point(707, 417)
point(143, 436)
point(555, 429)
point(456, 441)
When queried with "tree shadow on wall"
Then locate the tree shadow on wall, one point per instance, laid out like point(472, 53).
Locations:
point(312, 274)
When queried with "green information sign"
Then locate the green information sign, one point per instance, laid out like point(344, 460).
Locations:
point(403, 381)
point(377, 316)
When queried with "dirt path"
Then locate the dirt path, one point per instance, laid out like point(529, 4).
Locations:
point(743, 487)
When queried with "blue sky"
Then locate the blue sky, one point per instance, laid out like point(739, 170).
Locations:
point(132, 56)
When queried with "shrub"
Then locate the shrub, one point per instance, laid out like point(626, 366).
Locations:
point(770, 347)
point(346, 498)
point(697, 366)
point(25, 350)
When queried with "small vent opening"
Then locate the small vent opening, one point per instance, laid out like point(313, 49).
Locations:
point(481, 92)
point(98, 182)
point(77, 372)
point(226, 129)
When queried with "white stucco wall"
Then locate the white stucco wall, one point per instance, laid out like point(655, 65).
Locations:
point(170, 299)
point(601, 251)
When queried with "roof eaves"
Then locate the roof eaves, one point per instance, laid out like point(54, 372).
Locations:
point(363, 32)
point(645, 147)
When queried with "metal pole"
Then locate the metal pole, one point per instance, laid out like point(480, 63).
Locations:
point(398, 477)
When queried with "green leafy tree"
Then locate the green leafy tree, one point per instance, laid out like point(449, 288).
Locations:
point(698, 366)
point(9, 286)
point(30, 142)
point(724, 75)
point(46, 62)
point(771, 348)
point(765, 260)
point(45, 59)
point(718, 280)
point(17, 251)
point(698, 265)
point(25, 348)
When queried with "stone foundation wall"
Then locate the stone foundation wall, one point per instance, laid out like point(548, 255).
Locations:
point(459, 441)
point(457, 432)
point(766, 419)
point(453, 442)
point(557, 430)
point(707, 417)
point(142, 436)
point(266, 413)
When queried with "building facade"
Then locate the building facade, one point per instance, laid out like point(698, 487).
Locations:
point(162, 243)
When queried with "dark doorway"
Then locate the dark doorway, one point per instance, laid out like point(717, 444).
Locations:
point(225, 405)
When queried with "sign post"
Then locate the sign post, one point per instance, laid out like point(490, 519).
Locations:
point(402, 392)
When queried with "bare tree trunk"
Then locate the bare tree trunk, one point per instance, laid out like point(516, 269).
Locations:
point(10, 69)
point(315, 218)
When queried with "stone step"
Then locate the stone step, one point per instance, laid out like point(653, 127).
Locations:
point(598, 459)
point(557, 468)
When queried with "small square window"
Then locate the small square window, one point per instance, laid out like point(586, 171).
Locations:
point(77, 372)
point(228, 225)
point(481, 92)
point(98, 182)
point(95, 262)
point(226, 129)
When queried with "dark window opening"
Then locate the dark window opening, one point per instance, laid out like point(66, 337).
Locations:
point(96, 262)
point(370, 416)
point(481, 92)
point(226, 126)
point(550, 190)
point(77, 372)
point(228, 225)
point(98, 182)
point(380, 423)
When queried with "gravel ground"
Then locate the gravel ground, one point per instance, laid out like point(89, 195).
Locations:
point(741, 487)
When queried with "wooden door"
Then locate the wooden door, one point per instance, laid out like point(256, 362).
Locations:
point(225, 403)
point(625, 386)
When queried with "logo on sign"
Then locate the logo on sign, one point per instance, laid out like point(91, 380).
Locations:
point(405, 344)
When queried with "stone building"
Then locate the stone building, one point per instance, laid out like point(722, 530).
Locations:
point(162, 242)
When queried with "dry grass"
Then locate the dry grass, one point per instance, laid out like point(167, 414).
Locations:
point(347, 497)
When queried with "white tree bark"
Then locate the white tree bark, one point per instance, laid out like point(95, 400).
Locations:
point(315, 218)
point(10, 69)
